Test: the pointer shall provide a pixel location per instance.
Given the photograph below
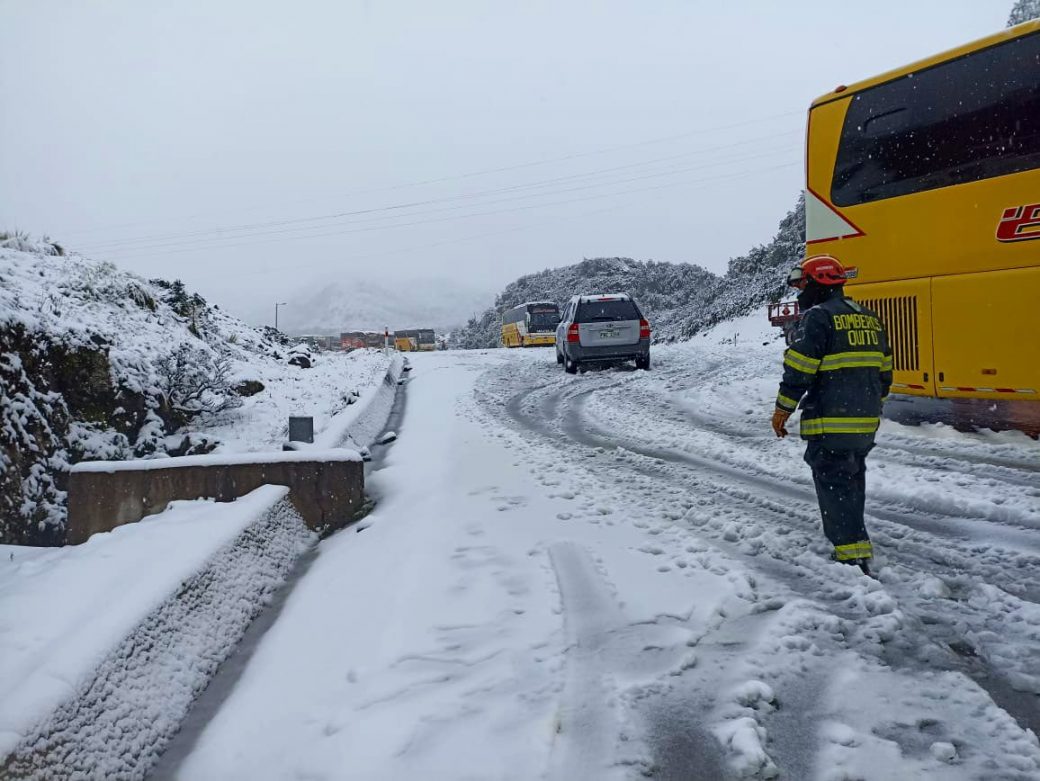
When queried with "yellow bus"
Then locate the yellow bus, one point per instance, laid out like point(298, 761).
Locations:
point(530, 324)
point(427, 340)
point(926, 180)
point(406, 341)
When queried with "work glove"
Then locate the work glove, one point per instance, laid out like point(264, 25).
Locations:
point(780, 417)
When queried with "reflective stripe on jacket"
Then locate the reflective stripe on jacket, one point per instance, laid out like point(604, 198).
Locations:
point(840, 368)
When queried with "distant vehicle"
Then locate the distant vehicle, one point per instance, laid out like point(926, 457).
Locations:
point(356, 340)
point(530, 324)
point(376, 339)
point(352, 340)
point(318, 342)
point(926, 180)
point(407, 341)
point(602, 329)
point(427, 340)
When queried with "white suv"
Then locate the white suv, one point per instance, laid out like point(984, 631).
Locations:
point(605, 328)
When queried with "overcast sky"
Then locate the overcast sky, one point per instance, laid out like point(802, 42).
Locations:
point(252, 148)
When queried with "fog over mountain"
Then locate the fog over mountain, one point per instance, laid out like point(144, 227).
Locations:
point(371, 305)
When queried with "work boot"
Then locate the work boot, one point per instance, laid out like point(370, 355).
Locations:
point(863, 564)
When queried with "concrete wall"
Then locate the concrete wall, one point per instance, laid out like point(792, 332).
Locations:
point(327, 493)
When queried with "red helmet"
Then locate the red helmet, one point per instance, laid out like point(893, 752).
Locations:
point(822, 269)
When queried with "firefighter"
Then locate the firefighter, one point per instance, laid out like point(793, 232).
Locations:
point(839, 367)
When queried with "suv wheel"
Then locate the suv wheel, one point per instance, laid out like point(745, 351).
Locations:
point(643, 362)
point(569, 366)
point(559, 358)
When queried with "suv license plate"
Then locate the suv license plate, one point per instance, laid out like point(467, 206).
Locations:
point(608, 334)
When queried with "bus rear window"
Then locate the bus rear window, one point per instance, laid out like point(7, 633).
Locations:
point(543, 319)
point(604, 311)
point(972, 118)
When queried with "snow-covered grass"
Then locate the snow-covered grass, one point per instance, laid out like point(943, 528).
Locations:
point(336, 392)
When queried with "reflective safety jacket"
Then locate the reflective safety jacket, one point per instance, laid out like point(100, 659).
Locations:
point(840, 368)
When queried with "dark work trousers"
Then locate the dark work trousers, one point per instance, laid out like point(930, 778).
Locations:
point(841, 489)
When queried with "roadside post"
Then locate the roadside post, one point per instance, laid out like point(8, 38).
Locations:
point(301, 429)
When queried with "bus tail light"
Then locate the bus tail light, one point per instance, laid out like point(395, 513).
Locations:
point(572, 332)
point(644, 329)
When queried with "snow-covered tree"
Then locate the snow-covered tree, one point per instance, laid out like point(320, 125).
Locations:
point(1023, 11)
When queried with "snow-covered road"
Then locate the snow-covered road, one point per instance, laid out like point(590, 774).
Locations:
point(621, 574)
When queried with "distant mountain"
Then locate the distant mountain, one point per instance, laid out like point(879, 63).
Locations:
point(679, 299)
point(373, 305)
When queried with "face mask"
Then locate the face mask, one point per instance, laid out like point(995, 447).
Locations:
point(809, 297)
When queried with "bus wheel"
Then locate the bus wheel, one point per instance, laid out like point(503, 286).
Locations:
point(569, 366)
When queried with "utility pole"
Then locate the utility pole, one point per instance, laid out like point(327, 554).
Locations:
point(276, 314)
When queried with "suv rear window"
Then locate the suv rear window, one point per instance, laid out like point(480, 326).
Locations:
point(606, 311)
point(972, 118)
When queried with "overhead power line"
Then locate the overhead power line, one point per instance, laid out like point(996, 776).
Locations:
point(409, 209)
point(527, 226)
point(305, 231)
point(496, 170)
point(251, 241)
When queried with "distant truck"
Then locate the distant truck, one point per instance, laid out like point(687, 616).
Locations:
point(352, 340)
point(357, 340)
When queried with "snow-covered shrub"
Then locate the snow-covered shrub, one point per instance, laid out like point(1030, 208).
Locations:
point(33, 420)
point(193, 381)
point(679, 299)
point(22, 242)
point(1023, 11)
point(96, 363)
point(300, 355)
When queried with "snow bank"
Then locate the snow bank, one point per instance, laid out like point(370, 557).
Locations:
point(97, 675)
point(340, 392)
point(362, 422)
point(219, 459)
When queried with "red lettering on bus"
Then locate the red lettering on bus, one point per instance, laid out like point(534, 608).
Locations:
point(1020, 223)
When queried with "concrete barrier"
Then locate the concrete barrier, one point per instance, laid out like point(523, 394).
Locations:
point(326, 487)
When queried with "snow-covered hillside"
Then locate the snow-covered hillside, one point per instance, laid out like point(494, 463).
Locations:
point(96, 363)
point(680, 299)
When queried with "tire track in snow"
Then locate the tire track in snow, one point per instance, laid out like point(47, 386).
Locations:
point(578, 428)
point(943, 646)
point(600, 642)
point(586, 724)
point(1004, 470)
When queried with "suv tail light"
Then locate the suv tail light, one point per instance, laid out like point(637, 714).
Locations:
point(644, 329)
point(572, 332)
